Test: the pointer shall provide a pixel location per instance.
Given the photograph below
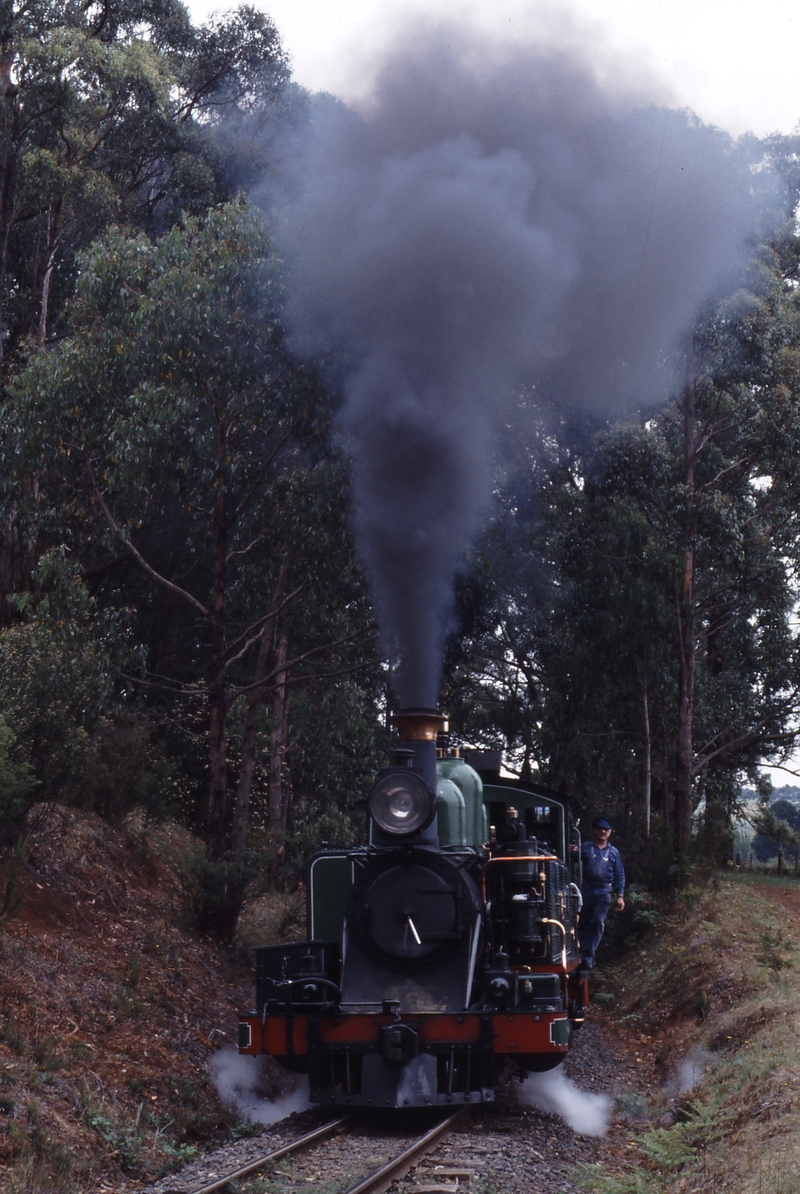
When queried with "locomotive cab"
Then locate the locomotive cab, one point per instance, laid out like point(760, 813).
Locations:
point(434, 956)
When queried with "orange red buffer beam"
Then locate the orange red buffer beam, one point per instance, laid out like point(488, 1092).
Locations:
point(512, 1032)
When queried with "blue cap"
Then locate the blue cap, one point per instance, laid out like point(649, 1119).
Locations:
point(600, 823)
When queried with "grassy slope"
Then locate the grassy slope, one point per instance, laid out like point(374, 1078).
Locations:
point(720, 988)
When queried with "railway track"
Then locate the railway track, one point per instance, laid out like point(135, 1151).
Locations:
point(379, 1180)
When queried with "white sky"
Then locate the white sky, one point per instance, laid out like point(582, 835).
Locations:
point(736, 65)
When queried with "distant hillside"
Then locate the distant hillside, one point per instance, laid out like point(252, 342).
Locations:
point(787, 792)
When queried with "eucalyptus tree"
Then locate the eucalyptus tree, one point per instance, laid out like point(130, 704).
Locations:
point(630, 620)
point(177, 445)
point(777, 827)
point(107, 111)
point(606, 670)
point(735, 435)
point(72, 733)
point(678, 552)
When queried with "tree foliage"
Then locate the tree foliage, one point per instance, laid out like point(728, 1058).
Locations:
point(777, 827)
point(633, 633)
point(174, 439)
point(107, 113)
point(69, 731)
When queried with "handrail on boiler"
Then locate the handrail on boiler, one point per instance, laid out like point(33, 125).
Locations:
point(546, 920)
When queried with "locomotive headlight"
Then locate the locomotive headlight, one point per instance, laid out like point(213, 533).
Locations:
point(401, 802)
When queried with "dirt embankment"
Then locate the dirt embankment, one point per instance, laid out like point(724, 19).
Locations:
point(109, 1008)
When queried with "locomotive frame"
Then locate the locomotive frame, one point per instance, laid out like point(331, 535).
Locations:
point(439, 953)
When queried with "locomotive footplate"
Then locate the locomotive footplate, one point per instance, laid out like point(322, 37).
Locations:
point(380, 1060)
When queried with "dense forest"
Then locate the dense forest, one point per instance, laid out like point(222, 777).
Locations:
point(186, 628)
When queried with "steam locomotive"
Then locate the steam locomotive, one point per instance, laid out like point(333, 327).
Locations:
point(438, 954)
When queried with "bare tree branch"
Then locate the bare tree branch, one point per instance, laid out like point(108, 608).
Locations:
point(298, 659)
point(260, 475)
point(252, 634)
point(129, 547)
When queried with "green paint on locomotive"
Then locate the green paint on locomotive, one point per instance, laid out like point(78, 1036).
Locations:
point(451, 815)
point(471, 786)
point(466, 806)
point(330, 877)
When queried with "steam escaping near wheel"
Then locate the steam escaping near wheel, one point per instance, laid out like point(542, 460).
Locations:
point(586, 1113)
point(237, 1080)
point(495, 218)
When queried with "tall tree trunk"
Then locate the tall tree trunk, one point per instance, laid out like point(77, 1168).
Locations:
point(648, 766)
point(53, 237)
point(217, 756)
point(665, 788)
point(687, 629)
point(278, 749)
point(526, 771)
point(286, 784)
point(9, 170)
point(249, 734)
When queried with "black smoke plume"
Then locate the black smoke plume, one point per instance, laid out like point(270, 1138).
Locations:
point(494, 217)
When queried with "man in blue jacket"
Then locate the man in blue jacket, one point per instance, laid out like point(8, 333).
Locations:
point(602, 873)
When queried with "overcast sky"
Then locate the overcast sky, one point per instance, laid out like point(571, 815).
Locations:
point(735, 65)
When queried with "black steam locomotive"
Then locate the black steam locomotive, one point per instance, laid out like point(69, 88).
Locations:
point(439, 953)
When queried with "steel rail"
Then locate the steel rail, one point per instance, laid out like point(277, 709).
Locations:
point(399, 1166)
point(295, 1146)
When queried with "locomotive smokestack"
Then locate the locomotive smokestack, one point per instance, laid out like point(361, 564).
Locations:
point(418, 730)
point(420, 725)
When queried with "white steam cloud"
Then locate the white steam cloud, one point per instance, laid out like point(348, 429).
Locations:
point(553, 1091)
point(494, 218)
point(236, 1079)
point(689, 1072)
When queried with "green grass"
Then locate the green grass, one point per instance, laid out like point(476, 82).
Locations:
point(790, 882)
